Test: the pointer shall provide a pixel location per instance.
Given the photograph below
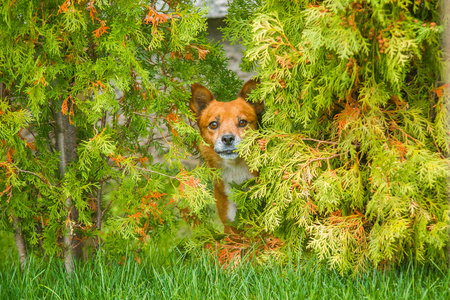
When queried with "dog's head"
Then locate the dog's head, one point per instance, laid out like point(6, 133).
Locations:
point(222, 124)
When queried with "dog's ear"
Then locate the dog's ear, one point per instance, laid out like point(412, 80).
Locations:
point(200, 98)
point(246, 90)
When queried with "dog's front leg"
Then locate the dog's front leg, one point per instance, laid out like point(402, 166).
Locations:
point(226, 209)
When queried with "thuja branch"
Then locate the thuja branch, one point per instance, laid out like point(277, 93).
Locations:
point(263, 142)
point(37, 175)
point(325, 158)
point(300, 137)
point(319, 141)
point(308, 162)
point(288, 43)
point(144, 115)
point(156, 172)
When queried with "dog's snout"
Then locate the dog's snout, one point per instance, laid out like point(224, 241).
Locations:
point(228, 139)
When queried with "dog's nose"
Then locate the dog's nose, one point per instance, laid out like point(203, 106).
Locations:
point(228, 139)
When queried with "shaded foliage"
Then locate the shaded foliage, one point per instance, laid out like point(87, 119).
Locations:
point(106, 81)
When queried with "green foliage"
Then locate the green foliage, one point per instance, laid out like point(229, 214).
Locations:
point(120, 72)
point(352, 152)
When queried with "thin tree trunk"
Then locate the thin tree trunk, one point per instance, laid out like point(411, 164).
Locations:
point(39, 232)
point(66, 144)
point(99, 207)
point(99, 210)
point(20, 242)
point(18, 234)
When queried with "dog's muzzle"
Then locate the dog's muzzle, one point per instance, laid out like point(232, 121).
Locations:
point(226, 144)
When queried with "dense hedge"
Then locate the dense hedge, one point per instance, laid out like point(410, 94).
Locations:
point(352, 157)
point(351, 150)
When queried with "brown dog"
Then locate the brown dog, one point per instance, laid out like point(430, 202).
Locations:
point(221, 126)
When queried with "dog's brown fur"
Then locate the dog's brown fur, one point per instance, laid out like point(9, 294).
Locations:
point(229, 117)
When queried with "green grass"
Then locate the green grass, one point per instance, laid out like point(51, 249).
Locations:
point(177, 277)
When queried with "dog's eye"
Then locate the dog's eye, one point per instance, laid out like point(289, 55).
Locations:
point(242, 123)
point(213, 125)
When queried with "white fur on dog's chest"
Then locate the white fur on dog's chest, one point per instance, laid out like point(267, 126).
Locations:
point(234, 171)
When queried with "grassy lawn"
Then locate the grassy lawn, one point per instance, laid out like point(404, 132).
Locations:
point(178, 277)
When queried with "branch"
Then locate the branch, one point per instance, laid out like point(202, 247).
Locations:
point(107, 206)
point(152, 171)
point(325, 158)
point(319, 141)
point(99, 206)
point(40, 177)
point(309, 161)
point(144, 115)
point(305, 139)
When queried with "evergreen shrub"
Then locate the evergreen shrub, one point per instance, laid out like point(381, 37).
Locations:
point(93, 92)
point(352, 154)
